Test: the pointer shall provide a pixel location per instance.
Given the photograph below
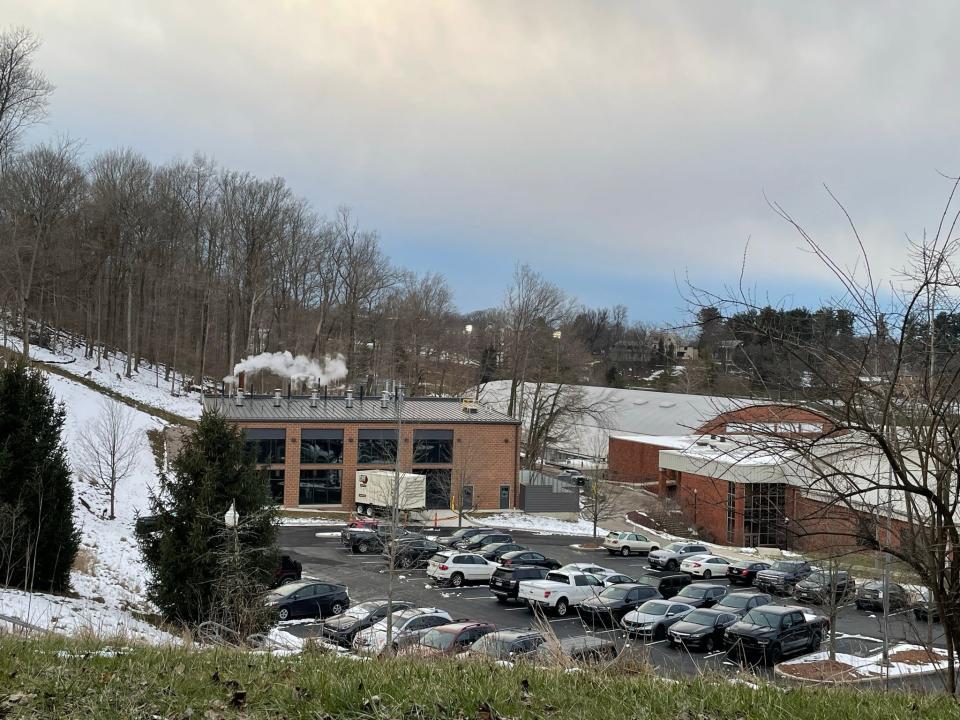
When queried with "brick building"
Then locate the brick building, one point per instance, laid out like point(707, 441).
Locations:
point(312, 447)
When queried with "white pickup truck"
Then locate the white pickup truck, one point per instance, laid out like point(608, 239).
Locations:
point(559, 590)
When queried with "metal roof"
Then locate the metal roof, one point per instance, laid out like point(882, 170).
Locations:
point(334, 410)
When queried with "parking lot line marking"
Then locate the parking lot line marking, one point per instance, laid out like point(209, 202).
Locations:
point(559, 620)
point(370, 562)
point(655, 642)
point(514, 609)
point(479, 597)
point(714, 654)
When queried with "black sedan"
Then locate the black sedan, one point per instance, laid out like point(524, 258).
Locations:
point(529, 557)
point(308, 598)
point(701, 629)
point(342, 628)
point(494, 551)
point(609, 607)
point(478, 541)
point(416, 553)
point(744, 572)
point(701, 595)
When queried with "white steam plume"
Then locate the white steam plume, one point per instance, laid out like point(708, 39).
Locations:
point(301, 368)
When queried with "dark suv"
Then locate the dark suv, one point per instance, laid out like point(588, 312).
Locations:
point(870, 596)
point(505, 581)
point(818, 586)
point(783, 576)
point(667, 584)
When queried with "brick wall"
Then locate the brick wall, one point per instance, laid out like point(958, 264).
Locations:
point(758, 414)
point(703, 501)
point(484, 455)
point(633, 462)
point(820, 525)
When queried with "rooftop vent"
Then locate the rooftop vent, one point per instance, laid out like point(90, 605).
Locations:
point(667, 404)
point(640, 402)
point(349, 397)
point(384, 400)
point(277, 395)
point(469, 406)
point(313, 398)
point(239, 397)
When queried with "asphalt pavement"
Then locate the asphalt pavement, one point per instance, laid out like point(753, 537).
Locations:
point(366, 578)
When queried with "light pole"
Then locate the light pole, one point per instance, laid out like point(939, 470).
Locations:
point(231, 518)
point(557, 334)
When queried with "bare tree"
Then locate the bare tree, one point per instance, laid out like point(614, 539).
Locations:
point(24, 90)
point(601, 494)
point(109, 446)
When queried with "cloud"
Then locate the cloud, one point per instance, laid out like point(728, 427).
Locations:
point(632, 139)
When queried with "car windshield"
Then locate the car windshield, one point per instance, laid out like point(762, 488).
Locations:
point(613, 535)
point(461, 532)
point(558, 577)
point(439, 639)
point(736, 600)
point(652, 607)
point(439, 558)
point(490, 547)
point(781, 566)
point(494, 645)
point(692, 591)
point(699, 617)
point(819, 577)
point(363, 609)
point(288, 589)
point(674, 547)
point(762, 617)
point(615, 592)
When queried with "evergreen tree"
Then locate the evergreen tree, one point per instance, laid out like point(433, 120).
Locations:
point(38, 539)
point(188, 549)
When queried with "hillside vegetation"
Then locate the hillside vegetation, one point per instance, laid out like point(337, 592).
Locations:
point(62, 678)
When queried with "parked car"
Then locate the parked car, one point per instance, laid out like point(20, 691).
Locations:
point(740, 603)
point(700, 595)
point(702, 629)
point(653, 618)
point(588, 568)
point(616, 579)
point(744, 572)
point(926, 608)
point(463, 534)
point(783, 576)
point(449, 639)
point(774, 631)
point(705, 566)
point(368, 540)
point(528, 557)
point(614, 602)
point(506, 644)
point(820, 584)
point(627, 543)
point(667, 584)
point(480, 539)
point(454, 567)
point(579, 648)
point(408, 627)
point(673, 554)
point(342, 628)
point(870, 596)
point(416, 553)
point(287, 571)
point(494, 551)
point(307, 598)
point(505, 581)
point(560, 590)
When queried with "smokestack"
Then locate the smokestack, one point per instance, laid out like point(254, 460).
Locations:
point(239, 397)
point(242, 381)
point(277, 395)
point(384, 399)
point(349, 397)
point(313, 398)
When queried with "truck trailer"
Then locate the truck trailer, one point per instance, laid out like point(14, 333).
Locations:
point(375, 492)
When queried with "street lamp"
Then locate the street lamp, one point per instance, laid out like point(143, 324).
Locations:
point(556, 336)
point(231, 517)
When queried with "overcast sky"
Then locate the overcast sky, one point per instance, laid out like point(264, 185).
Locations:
point(616, 147)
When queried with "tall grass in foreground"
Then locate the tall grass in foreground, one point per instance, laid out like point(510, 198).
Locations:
point(53, 677)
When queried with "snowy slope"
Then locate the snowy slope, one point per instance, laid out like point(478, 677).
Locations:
point(111, 573)
point(146, 386)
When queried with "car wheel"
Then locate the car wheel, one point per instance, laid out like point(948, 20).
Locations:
point(672, 565)
point(671, 643)
point(707, 574)
point(611, 552)
point(815, 641)
point(775, 654)
point(660, 633)
point(370, 511)
point(360, 509)
point(562, 608)
point(653, 548)
point(363, 547)
point(284, 614)
point(500, 599)
point(625, 551)
point(859, 606)
point(555, 566)
point(709, 645)
point(456, 579)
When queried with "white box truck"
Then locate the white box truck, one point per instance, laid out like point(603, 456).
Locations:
point(374, 492)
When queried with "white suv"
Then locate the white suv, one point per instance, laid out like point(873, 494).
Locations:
point(625, 543)
point(455, 568)
point(409, 625)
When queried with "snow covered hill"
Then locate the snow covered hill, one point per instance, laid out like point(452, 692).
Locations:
point(109, 573)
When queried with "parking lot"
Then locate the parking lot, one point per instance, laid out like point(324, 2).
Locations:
point(366, 578)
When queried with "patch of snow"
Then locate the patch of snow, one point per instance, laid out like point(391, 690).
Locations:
point(748, 551)
point(327, 534)
point(872, 665)
point(74, 616)
point(650, 531)
point(308, 521)
point(542, 524)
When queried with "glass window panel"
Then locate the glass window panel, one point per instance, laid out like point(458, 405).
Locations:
point(320, 487)
point(376, 447)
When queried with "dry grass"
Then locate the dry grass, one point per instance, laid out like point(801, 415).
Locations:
point(85, 562)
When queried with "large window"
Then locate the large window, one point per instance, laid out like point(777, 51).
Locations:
point(432, 447)
point(275, 477)
point(321, 447)
point(269, 444)
point(763, 515)
point(376, 447)
point(731, 510)
point(320, 487)
point(438, 488)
